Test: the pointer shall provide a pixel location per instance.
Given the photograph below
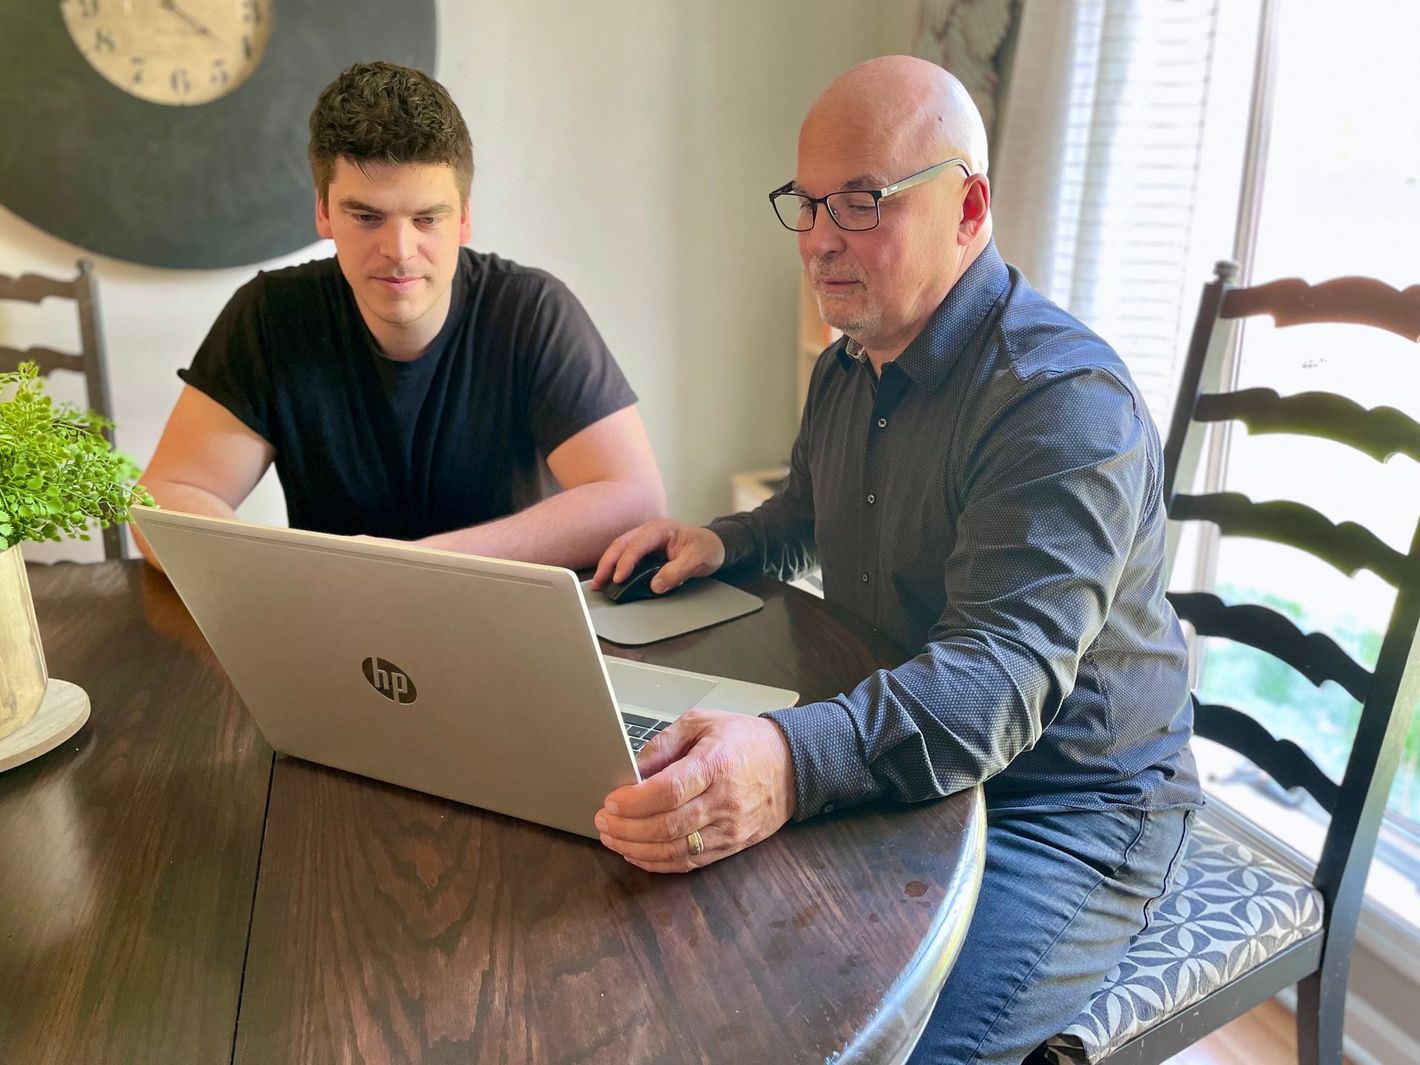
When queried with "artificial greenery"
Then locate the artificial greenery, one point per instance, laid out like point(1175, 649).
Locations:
point(58, 473)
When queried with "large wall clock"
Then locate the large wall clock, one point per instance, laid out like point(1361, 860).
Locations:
point(173, 132)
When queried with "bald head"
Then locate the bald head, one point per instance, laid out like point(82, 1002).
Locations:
point(902, 108)
point(882, 122)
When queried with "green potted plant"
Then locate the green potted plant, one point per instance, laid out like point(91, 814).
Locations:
point(58, 476)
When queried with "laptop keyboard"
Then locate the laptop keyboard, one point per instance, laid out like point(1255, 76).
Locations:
point(640, 730)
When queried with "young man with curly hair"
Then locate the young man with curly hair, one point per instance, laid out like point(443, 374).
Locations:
point(410, 387)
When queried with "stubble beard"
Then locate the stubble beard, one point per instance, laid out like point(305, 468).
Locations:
point(854, 322)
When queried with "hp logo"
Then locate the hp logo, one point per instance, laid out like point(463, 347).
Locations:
point(390, 681)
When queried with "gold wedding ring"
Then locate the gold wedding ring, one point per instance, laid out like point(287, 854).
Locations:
point(697, 845)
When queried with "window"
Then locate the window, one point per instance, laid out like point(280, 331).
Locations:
point(1116, 168)
point(1339, 194)
point(1120, 174)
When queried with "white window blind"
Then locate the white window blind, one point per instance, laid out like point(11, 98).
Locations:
point(1097, 169)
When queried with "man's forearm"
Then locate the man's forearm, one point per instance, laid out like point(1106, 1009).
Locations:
point(570, 529)
point(952, 716)
point(185, 497)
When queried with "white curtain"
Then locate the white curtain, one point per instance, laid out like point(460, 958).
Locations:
point(1096, 165)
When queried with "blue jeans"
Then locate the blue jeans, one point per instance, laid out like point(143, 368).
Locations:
point(1061, 895)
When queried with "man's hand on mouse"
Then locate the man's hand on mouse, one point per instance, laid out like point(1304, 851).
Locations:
point(690, 550)
point(726, 776)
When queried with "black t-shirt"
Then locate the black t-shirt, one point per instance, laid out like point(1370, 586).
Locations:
point(459, 436)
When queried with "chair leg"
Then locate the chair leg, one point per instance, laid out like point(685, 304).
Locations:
point(1321, 1012)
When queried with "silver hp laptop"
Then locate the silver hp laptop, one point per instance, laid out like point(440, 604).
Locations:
point(472, 678)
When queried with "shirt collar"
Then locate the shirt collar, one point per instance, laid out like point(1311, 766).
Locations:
point(951, 327)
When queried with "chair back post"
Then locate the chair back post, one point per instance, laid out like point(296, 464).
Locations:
point(1210, 338)
point(1375, 756)
point(86, 295)
point(1190, 383)
point(1350, 844)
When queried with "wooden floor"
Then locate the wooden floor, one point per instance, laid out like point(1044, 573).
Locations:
point(1266, 1036)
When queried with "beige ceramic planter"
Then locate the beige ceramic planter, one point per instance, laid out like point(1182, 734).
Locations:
point(22, 672)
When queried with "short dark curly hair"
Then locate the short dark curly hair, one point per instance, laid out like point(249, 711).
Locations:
point(385, 113)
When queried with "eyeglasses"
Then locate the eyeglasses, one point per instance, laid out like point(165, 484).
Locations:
point(855, 210)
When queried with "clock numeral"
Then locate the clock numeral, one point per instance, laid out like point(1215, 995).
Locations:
point(87, 8)
point(219, 74)
point(137, 62)
point(104, 42)
point(247, 48)
point(180, 82)
point(251, 12)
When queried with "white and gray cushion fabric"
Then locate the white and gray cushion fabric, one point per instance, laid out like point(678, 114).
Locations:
point(1230, 908)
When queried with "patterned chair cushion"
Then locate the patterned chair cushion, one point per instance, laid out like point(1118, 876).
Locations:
point(1230, 908)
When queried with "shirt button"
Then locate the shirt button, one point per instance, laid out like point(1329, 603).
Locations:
point(882, 423)
point(872, 498)
point(863, 578)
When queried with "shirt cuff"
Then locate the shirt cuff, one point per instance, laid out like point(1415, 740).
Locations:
point(740, 547)
point(829, 768)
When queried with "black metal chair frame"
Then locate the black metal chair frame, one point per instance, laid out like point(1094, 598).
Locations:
point(1320, 963)
point(89, 361)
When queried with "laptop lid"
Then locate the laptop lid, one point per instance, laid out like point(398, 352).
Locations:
point(476, 679)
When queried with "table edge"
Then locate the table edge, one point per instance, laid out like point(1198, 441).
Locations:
point(892, 1032)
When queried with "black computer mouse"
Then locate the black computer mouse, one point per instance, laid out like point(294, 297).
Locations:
point(638, 584)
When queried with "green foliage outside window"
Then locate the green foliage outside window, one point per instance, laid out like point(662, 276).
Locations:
point(58, 474)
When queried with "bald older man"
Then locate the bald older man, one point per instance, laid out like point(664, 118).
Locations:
point(977, 476)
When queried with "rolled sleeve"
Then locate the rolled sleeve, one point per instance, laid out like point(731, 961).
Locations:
point(230, 366)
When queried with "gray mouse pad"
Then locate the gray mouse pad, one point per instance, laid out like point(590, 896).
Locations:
point(694, 605)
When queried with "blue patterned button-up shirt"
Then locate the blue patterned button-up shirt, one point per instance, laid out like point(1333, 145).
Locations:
point(993, 503)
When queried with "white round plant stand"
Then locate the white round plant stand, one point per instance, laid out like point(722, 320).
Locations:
point(63, 713)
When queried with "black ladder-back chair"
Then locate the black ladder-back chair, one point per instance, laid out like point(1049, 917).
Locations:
point(1167, 994)
point(89, 361)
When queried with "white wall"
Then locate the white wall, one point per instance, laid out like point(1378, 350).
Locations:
point(627, 146)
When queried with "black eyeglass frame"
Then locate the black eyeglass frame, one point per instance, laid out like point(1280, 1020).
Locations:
point(878, 196)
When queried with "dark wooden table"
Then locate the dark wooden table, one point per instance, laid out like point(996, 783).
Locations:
point(170, 892)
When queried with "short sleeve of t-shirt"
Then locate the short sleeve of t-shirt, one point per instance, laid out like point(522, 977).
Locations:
point(573, 380)
point(230, 366)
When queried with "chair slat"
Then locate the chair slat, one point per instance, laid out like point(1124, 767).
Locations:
point(1380, 433)
point(1282, 760)
point(1348, 546)
point(47, 359)
point(1315, 656)
point(33, 288)
point(1359, 300)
